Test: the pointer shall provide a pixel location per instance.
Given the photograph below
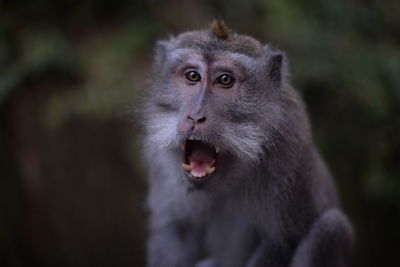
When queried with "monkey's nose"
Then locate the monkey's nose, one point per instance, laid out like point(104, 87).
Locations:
point(197, 120)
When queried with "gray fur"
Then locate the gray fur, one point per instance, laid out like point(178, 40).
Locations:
point(272, 201)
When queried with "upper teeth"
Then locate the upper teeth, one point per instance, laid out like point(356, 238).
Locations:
point(210, 170)
point(187, 167)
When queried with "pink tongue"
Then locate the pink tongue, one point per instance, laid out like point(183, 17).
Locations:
point(200, 160)
point(199, 166)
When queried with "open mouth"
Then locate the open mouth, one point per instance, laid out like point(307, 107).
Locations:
point(199, 158)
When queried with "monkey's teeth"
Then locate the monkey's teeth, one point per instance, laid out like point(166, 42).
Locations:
point(183, 146)
point(212, 162)
point(210, 170)
point(193, 138)
point(187, 167)
point(217, 149)
point(198, 174)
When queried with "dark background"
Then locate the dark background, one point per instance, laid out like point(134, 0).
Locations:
point(72, 185)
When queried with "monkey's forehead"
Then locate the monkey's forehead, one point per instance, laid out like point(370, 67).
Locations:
point(189, 55)
point(206, 42)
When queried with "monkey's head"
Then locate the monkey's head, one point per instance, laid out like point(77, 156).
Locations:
point(215, 104)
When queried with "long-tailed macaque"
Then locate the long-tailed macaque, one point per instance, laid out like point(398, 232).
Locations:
point(235, 178)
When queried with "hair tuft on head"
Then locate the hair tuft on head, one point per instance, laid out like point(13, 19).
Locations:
point(219, 29)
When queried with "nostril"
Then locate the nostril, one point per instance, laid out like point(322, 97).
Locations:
point(202, 119)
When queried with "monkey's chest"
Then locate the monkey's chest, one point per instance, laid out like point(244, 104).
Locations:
point(230, 237)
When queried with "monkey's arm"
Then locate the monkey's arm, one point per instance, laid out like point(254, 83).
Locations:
point(269, 255)
point(328, 243)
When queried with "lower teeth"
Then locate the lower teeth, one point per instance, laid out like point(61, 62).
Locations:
point(198, 174)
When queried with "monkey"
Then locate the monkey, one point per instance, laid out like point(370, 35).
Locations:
point(234, 176)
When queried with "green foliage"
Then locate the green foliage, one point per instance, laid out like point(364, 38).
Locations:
point(89, 59)
point(349, 54)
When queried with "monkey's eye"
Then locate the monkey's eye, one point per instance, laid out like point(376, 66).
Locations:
point(192, 76)
point(225, 80)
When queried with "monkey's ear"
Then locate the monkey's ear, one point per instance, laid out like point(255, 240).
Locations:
point(161, 51)
point(276, 67)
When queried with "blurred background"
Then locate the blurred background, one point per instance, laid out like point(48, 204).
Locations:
point(72, 182)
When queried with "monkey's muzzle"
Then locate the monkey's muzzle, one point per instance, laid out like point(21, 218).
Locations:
point(199, 158)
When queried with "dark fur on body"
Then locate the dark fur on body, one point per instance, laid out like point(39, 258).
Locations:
point(272, 201)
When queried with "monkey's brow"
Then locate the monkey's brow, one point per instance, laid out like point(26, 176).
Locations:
point(241, 60)
point(182, 53)
point(182, 58)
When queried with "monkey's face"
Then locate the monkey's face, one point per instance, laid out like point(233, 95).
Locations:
point(213, 98)
point(211, 109)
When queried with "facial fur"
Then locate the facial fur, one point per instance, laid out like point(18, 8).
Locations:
point(243, 120)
